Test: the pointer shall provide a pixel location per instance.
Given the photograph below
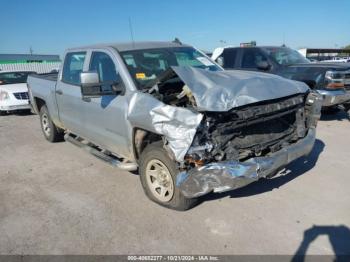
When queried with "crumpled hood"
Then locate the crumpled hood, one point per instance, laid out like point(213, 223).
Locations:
point(224, 90)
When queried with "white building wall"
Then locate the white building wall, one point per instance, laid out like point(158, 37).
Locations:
point(39, 68)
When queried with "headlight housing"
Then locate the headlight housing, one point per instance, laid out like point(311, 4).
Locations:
point(4, 95)
point(334, 79)
point(313, 105)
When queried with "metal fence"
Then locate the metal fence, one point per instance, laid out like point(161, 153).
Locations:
point(36, 67)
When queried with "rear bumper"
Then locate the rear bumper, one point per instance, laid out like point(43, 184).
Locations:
point(332, 98)
point(228, 175)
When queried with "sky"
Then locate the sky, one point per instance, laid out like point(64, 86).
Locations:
point(48, 27)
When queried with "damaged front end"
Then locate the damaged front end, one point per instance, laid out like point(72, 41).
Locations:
point(236, 148)
point(227, 129)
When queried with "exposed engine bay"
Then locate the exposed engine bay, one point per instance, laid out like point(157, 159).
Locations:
point(241, 133)
point(250, 131)
point(172, 91)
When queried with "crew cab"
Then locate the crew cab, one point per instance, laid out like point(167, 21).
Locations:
point(168, 110)
point(14, 91)
point(332, 81)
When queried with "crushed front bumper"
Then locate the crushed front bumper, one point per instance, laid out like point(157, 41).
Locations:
point(228, 175)
point(335, 97)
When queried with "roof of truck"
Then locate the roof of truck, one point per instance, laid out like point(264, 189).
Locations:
point(128, 46)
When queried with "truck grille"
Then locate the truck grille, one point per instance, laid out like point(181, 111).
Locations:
point(255, 130)
point(21, 96)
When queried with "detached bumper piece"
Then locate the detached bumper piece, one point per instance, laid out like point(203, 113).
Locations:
point(229, 175)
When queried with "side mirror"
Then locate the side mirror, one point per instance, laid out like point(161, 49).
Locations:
point(90, 84)
point(263, 65)
point(92, 87)
point(220, 61)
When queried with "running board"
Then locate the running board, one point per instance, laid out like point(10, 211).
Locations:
point(89, 147)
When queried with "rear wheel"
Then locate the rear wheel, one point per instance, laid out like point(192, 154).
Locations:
point(50, 131)
point(158, 177)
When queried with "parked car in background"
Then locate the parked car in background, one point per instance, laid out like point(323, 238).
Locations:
point(331, 80)
point(166, 109)
point(14, 91)
point(337, 60)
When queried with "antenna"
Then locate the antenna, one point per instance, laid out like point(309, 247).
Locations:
point(177, 41)
point(31, 50)
point(131, 33)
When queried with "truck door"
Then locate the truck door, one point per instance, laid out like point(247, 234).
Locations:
point(105, 116)
point(68, 92)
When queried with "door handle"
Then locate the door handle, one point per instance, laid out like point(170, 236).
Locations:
point(59, 92)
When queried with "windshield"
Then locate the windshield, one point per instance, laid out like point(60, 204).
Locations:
point(13, 77)
point(146, 65)
point(285, 55)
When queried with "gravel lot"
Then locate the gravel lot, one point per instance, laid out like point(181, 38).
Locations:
point(57, 199)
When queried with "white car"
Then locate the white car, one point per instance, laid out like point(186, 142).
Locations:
point(14, 91)
point(337, 60)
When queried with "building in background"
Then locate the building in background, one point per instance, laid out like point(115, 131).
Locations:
point(29, 62)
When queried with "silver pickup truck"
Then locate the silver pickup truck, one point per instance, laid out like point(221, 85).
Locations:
point(168, 110)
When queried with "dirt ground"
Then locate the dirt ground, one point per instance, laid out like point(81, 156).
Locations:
point(57, 199)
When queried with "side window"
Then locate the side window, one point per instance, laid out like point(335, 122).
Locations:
point(230, 56)
point(105, 67)
point(73, 66)
point(251, 58)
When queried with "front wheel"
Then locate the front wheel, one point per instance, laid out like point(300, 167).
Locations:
point(331, 110)
point(50, 131)
point(158, 175)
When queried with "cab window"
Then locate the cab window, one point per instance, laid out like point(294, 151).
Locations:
point(229, 56)
point(106, 69)
point(73, 66)
point(251, 58)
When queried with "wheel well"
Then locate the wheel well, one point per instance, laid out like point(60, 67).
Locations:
point(39, 103)
point(142, 138)
point(311, 83)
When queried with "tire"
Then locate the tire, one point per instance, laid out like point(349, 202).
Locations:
point(50, 131)
point(2, 113)
point(331, 110)
point(155, 158)
point(27, 111)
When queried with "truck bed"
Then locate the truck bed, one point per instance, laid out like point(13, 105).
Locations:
point(42, 86)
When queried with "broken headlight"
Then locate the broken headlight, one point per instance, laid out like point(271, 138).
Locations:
point(313, 106)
